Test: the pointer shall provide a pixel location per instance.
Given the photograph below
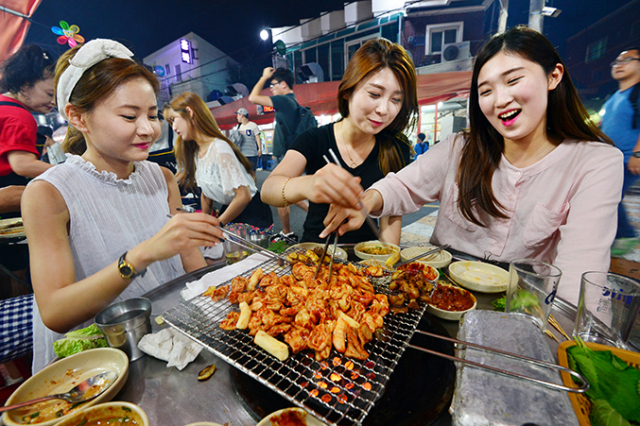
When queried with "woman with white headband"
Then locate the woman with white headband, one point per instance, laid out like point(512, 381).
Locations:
point(98, 225)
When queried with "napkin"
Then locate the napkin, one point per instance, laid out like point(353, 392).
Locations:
point(169, 345)
point(219, 276)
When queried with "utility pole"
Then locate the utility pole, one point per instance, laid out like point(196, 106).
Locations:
point(535, 15)
point(504, 14)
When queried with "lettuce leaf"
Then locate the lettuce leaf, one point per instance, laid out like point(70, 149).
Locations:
point(66, 347)
point(602, 414)
point(80, 340)
point(90, 331)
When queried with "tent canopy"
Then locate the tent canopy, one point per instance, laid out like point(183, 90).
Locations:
point(321, 97)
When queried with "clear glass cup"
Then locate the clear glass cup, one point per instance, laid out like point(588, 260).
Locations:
point(235, 252)
point(532, 288)
point(608, 310)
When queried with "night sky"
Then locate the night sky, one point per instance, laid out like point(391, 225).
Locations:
point(233, 25)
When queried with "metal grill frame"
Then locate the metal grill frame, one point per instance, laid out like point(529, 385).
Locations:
point(300, 376)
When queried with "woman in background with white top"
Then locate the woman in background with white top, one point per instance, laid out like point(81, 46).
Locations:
point(211, 161)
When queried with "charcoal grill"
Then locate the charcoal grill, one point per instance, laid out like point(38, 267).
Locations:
point(338, 390)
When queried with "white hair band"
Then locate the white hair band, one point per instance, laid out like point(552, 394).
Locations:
point(87, 56)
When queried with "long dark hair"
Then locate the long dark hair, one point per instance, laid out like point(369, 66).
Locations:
point(566, 119)
point(203, 122)
point(96, 84)
point(375, 55)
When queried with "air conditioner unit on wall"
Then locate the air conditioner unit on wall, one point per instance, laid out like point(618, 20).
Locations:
point(455, 51)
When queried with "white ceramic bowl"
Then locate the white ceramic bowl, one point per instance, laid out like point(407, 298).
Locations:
point(478, 276)
point(438, 260)
point(358, 250)
point(307, 418)
point(340, 252)
point(451, 315)
point(63, 375)
point(108, 410)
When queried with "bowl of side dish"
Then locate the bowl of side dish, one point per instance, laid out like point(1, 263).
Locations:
point(60, 377)
point(450, 302)
point(290, 416)
point(113, 413)
point(340, 252)
point(479, 276)
point(439, 259)
point(376, 250)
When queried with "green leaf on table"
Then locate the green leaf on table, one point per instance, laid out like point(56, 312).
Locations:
point(610, 379)
point(500, 304)
point(523, 300)
point(602, 414)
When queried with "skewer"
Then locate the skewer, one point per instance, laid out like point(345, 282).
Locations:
point(558, 327)
point(368, 219)
point(581, 389)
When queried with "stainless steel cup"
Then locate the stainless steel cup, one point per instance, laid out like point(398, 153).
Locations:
point(124, 323)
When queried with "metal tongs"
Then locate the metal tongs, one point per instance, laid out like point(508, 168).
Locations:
point(421, 255)
point(324, 253)
point(581, 389)
point(253, 247)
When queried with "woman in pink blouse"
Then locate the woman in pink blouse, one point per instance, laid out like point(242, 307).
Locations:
point(533, 177)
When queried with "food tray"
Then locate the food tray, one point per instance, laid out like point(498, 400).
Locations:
point(581, 404)
point(339, 390)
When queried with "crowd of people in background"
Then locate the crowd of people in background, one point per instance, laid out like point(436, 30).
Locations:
point(524, 180)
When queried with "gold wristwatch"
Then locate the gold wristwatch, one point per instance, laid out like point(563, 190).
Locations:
point(127, 271)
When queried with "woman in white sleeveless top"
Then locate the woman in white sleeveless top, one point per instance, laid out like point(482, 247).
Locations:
point(98, 225)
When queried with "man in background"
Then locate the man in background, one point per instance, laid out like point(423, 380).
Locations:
point(621, 122)
point(250, 142)
point(422, 146)
point(281, 81)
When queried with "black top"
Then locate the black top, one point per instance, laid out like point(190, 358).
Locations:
point(315, 143)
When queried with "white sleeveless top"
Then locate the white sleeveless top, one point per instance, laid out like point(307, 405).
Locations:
point(219, 172)
point(108, 216)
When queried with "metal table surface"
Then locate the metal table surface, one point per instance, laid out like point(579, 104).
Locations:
point(173, 397)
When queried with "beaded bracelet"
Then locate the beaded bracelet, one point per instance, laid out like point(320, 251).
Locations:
point(284, 197)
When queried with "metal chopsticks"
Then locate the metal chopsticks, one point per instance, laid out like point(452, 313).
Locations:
point(251, 246)
point(370, 221)
point(425, 254)
point(324, 253)
point(581, 389)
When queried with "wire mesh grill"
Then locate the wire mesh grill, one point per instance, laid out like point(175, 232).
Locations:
point(338, 390)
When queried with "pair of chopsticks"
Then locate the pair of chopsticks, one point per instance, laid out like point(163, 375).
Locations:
point(581, 389)
point(246, 243)
point(370, 221)
point(324, 253)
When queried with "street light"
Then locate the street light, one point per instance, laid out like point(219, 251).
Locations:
point(264, 34)
point(551, 12)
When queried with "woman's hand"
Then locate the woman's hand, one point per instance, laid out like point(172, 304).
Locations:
point(334, 185)
point(181, 234)
point(343, 219)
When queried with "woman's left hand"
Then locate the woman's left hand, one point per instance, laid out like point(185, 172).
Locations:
point(342, 219)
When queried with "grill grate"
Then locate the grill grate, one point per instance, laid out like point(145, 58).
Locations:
point(339, 390)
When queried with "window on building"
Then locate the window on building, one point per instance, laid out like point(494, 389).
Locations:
point(311, 55)
point(596, 50)
point(390, 32)
point(167, 68)
point(324, 60)
point(353, 45)
point(178, 73)
point(441, 34)
point(337, 60)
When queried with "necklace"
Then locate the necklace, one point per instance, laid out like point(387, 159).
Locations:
point(352, 164)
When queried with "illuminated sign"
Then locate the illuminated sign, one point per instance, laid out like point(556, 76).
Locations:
point(267, 109)
point(185, 51)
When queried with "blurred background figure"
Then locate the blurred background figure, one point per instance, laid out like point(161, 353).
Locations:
point(422, 146)
point(621, 122)
point(250, 138)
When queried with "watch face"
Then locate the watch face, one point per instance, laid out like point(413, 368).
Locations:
point(125, 270)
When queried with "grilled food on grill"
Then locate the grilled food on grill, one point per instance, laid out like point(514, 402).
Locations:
point(412, 282)
point(343, 313)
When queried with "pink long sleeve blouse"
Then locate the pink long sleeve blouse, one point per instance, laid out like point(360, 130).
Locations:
point(562, 209)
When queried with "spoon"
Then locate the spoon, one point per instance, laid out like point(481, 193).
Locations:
point(101, 382)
